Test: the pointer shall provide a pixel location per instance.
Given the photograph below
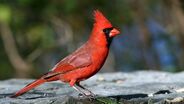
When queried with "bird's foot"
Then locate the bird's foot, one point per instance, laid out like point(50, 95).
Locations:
point(90, 96)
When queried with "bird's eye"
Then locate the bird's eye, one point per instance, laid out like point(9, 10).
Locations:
point(107, 30)
point(104, 30)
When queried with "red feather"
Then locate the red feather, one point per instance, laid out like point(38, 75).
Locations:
point(100, 20)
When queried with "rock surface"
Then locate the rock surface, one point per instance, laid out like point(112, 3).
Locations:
point(112, 88)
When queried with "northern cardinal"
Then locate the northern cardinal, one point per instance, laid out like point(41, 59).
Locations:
point(84, 62)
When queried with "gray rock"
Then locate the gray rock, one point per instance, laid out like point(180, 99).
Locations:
point(117, 88)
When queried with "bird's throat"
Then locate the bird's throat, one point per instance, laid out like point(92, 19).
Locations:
point(109, 40)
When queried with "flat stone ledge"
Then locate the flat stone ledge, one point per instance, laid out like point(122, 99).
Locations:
point(118, 88)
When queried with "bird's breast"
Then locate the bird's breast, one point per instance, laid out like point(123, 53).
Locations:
point(98, 59)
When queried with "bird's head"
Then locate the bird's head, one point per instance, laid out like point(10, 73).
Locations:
point(103, 24)
point(103, 27)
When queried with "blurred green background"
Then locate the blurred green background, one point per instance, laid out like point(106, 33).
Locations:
point(36, 34)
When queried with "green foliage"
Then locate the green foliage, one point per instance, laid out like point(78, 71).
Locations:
point(6, 69)
point(105, 100)
point(40, 34)
point(5, 13)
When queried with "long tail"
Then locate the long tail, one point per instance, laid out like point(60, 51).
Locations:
point(50, 76)
point(29, 87)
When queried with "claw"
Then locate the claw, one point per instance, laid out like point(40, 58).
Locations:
point(91, 97)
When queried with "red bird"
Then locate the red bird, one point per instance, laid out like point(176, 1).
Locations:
point(84, 62)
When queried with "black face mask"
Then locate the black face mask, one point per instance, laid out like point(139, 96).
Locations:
point(108, 38)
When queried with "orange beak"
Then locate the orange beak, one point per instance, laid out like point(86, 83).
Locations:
point(114, 32)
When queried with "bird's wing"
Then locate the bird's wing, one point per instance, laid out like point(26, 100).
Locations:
point(78, 59)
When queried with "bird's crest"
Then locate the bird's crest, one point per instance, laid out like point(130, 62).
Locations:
point(101, 20)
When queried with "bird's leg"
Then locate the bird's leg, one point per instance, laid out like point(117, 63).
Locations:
point(85, 89)
point(74, 85)
point(79, 90)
